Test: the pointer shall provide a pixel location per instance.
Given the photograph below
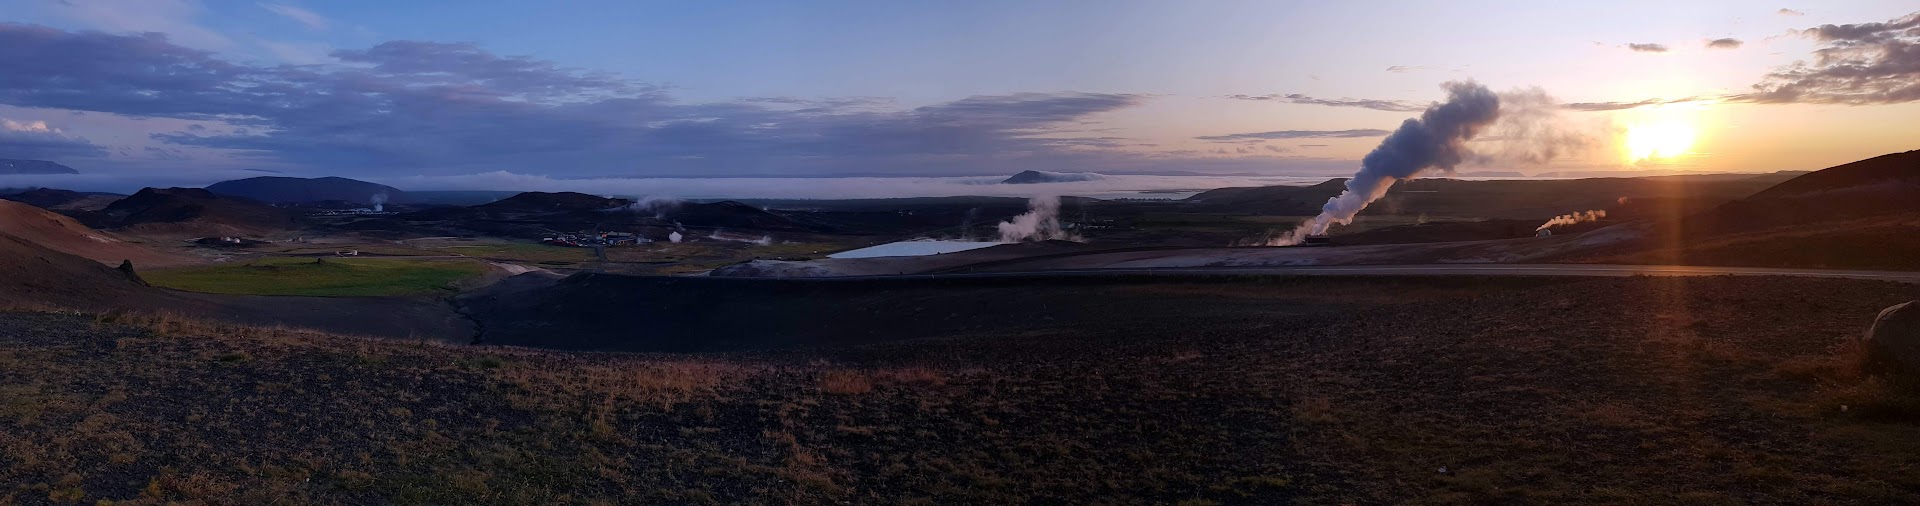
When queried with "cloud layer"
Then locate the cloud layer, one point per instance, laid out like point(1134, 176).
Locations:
point(444, 108)
point(35, 140)
point(1856, 64)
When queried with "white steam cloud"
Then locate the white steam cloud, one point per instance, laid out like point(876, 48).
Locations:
point(379, 201)
point(655, 204)
point(720, 235)
point(1041, 222)
point(1435, 140)
point(1569, 219)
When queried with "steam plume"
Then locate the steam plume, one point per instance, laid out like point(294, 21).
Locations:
point(1569, 219)
point(721, 235)
point(658, 205)
point(1041, 222)
point(379, 201)
point(1437, 140)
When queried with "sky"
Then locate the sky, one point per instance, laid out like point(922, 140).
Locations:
point(458, 93)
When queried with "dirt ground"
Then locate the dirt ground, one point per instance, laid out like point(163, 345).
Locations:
point(1250, 391)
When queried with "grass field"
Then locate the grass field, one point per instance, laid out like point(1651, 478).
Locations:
point(331, 277)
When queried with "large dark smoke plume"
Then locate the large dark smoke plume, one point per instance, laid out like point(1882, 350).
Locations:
point(1435, 140)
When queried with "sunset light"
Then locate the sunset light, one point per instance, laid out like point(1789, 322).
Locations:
point(1662, 133)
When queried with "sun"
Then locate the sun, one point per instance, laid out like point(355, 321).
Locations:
point(1660, 133)
point(1659, 140)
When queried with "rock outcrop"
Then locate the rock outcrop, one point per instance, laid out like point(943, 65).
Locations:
point(1896, 335)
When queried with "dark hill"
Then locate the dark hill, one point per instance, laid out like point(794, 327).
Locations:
point(1877, 174)
point(12, 166)
point(1860, 215)
point(289, 190)
point(729, 214)
point(61, 200)
point(1035, 176)
point(539, 202)
point(1297, 200)
point(194, 206)
point(1882, 185)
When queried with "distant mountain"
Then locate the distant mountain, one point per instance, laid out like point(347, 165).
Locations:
point(533, 202)
point(11, 166)
point(1491, 173)
point(291, 190)
point(1036, 176)
point(62, 200)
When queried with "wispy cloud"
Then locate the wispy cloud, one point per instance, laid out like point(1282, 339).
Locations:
point(1648, 47)
point(1789, 12)
point(1728, 43)
point(1295, 134)
point(302, 16)
point(1617, 106)
point(1378, 105)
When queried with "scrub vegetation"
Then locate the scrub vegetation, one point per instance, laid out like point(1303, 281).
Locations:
point(322, 276)
point(1718, 390)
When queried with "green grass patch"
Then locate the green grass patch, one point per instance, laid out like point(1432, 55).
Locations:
point(334, 277)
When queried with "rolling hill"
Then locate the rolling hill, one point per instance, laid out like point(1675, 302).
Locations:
point(38, 275)
point(1861, 215)
point(730, 214)
point(548, 202)
point(56, 232)
point(63, 200)
point(192, 211)
point(292, 190)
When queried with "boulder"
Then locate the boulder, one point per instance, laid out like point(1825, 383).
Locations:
point(1896, 334)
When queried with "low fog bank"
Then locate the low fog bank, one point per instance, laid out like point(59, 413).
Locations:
point(1106, 186)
